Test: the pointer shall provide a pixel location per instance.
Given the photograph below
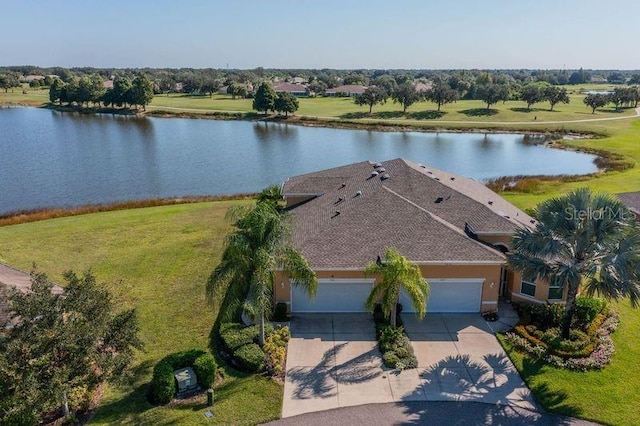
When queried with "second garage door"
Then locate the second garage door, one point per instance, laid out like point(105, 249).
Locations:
point(450, 295)
point(333, 296)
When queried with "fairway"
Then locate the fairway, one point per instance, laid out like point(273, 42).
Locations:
point(157, 260)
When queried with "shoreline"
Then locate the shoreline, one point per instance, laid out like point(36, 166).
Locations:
point(33, 215)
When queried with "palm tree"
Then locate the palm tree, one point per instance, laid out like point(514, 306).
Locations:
point(397, 273)
point(253, 252)
point(582, 239)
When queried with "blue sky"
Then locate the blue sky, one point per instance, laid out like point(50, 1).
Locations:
point(321, 34)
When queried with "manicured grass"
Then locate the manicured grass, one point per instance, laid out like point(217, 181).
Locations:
point(158, 260)
point(345, 108)
point(609, 396)
point(33, 97)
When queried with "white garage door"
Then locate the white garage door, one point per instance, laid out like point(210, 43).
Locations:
point(346, 295)
point(450, 295)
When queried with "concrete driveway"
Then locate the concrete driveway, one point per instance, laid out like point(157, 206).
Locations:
point(459, 359)
point(333, 361)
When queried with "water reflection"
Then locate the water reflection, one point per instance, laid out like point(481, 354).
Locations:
point(49, 158)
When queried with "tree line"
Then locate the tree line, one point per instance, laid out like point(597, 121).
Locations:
point(209, 80)
point(136, 92)
point(266, 99)
point(620, 97)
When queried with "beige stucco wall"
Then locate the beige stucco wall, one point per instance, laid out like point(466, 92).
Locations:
point(490, 273)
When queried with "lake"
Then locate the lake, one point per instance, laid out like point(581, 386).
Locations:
point(49, 158)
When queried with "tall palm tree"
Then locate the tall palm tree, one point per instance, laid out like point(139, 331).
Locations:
point(397, 273)
point(253, 253)
point(582, 239)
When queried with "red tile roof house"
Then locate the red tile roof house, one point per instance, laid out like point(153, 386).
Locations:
point(350, 90)
point(298, 90)
point(456, 230)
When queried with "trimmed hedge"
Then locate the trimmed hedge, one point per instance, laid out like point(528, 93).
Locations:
point(163, 387)
point(251, 357)
point(241, 343)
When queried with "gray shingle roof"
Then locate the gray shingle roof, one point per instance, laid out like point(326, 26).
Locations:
point(339, 229)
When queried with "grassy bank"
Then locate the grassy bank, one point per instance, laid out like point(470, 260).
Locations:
point(158, 260)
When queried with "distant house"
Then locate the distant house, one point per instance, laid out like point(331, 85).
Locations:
point(298, 80)
point(422, 87)
point(223, 90)
point(30, 78)
point(298, 90)
point(108, 84)
point(349, 90)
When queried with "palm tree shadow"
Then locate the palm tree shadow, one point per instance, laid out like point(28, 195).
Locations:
point(492, 381)
point(321, 380)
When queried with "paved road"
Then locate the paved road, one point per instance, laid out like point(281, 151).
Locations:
point(432, 413)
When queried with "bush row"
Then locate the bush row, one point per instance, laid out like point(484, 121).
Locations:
point(240, 342)
point(163, 387)
point(551, 315)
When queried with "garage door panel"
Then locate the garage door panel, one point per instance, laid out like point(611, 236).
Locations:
point(450, 296)
point(333, 296)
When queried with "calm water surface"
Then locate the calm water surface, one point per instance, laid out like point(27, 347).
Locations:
point(48, 158)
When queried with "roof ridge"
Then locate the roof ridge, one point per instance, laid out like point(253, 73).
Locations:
point(509, 219)
point(444, 222)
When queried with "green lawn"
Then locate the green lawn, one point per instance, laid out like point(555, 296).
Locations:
point(609, 396)
point(157, 260)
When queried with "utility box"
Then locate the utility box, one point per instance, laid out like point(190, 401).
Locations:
point(186, 381)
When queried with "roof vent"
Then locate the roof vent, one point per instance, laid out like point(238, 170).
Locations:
point(385, 176)
point(381, 170)
point(377, 165)
point(423, 166)
point(343, 185)
point(506, 217)
point(358, 193)
point(340, 199)
point(436, 178)
point(439, 200)
point(532, 221)
point(490, 203)
point(336, 214)
point(429, 172)
point(374, 174)
point(452, 178)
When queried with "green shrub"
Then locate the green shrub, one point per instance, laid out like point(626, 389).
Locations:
point(251, 358)
point(390, 359)
point(586, 309)
point(236, 335)
point(280, 312)
point(163, 386)
point(205, 368)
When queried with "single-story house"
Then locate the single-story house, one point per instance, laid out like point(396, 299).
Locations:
point(349, 90)
point(298, 90)
point(456, 229)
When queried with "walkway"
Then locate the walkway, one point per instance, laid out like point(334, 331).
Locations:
point(12, 277)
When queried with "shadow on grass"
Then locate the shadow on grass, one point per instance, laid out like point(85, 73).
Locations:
point(552, 400)
point(426, 115)
point(524, 110)
point(479, 112)
point(387, 115)
point(382, 114)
